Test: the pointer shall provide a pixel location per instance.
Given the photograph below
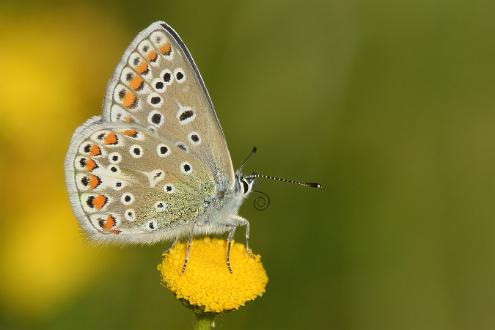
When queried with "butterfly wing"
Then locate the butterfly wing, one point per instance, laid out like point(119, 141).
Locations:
point(128, 184)
point(158, 86)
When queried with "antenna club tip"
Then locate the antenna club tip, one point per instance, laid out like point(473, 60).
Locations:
point(314, 185)
point(254, 150)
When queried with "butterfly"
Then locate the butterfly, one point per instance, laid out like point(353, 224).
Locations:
point(155, 166)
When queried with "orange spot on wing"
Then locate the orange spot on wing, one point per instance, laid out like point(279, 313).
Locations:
point(100, 201)
point(109, 223)
point(166, 48)
point(90, 165)
point(130, 132)
point(136, 82)
point(95, 150)
point(152, 56)
point(110, 138)
point(129, 100)
point(94, 181)
point(142, 67)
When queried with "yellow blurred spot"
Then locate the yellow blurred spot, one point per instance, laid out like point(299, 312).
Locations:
point(56, 75)
point(44, 263)
point(58, 66)
point(207, 283)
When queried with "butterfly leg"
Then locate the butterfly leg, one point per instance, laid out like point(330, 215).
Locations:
point(188, 249)
point(229, 243)
point(240, 221)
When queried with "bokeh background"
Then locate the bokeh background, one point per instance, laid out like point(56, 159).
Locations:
point(390, 104)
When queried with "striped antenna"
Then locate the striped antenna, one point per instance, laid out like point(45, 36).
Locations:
point(305, 184)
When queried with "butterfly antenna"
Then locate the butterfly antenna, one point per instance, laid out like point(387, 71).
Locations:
point(305, 184)
point(251, 154)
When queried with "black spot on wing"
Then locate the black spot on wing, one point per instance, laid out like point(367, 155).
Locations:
point(186, 115)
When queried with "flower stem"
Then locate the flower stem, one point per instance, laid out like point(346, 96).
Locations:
point(204, 321)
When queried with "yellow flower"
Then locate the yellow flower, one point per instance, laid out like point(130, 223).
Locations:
point(207, 283)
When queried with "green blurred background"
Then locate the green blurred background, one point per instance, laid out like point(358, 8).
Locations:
point(390, 104)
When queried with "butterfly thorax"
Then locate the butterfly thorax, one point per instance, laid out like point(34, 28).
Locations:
point(224, 205)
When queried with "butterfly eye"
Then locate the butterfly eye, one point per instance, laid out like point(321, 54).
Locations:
point(162, 150)
point(186, 168)
point(160, 206)
point(179, 75)
point(245, 186)
point(155, 118)
point(169, 188)
point(114, 158)
point(130, 215)
point(136, 151)
point(194, 138)
point(127, 199)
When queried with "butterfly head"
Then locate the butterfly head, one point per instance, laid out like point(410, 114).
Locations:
point(244, 184)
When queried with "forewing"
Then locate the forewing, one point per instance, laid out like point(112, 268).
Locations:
point(158, 85)
point(128, 185)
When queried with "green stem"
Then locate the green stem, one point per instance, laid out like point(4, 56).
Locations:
point(204, 321)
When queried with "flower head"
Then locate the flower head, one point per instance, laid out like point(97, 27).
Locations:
point(207, 283)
